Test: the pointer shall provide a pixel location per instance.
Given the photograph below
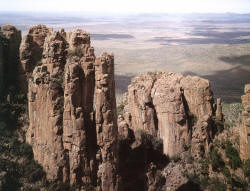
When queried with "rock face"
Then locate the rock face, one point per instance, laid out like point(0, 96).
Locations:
point(79, 137)
point(73, 126)
point(172, 120)
point(70, 141)
point(173, 107)
point(46, 108)
point(31, 51)
point(140, 104)
point(219, 114)
point(106, 123)
point(9, 54)
point(245, 125)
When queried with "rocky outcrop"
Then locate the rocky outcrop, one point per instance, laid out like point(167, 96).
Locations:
point(172, 119)
point(106, 123)
point(79, 137)
point(140, 104)
point(9, 48)
point(46, 108)
point(219, 114)
point(245, 125)
point(31, 51)
point(70, 141)
point(73, 126)
point(177, 109)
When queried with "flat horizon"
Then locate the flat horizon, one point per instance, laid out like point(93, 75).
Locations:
point(129, 7)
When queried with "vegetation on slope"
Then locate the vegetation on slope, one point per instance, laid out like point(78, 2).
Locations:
point(18, 169)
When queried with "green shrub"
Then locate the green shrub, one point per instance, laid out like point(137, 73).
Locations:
point(8, 166)
point(217, 185)
point(246, 169)
point(218, 125)
point(204, 170)
point(157, 143)
point(193, 118)
point(9, 182)
point(216, 160)
point(78, 52)
point(56, 186)
point(31, 188)
point(148, 140)
point(185, 146)
point(176, 158)
point(237, 182)
point(189, 158)
point(32, 171)
point(197, 179)
point(226, 173)
point(231, 113)
point(152, 73)
point(120, 109)
point(233, 156)
point(26, 150)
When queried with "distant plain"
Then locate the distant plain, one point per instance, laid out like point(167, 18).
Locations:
point(214, 46)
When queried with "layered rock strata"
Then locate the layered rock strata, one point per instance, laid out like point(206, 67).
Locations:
point(245, 125)
point(173, 107)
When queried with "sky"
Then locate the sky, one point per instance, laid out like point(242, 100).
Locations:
point(128, 6)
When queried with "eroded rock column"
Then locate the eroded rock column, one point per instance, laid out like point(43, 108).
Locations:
point(172, 120)
point(45, 99)
point(245, 125)
point(79, 137)
point(177, 109)
point(219, 114)
point(198, 100)
point(106, 123)
point(140, 104)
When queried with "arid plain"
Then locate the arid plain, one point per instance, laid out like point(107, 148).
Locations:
point(214, 46)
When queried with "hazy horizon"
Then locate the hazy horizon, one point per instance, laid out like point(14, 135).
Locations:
point(127, 7)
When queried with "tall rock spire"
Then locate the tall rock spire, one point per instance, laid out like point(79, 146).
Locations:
point(245, 125)
point(106, 122)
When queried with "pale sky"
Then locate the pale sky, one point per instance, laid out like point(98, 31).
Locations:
point(128, 6)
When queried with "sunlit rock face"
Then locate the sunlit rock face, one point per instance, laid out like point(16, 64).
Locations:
point(70, 141)
point(106, 123)
point(46, 100)
point(73, 126)
point(79, 137)
point(245, 125)
point(177, 109)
